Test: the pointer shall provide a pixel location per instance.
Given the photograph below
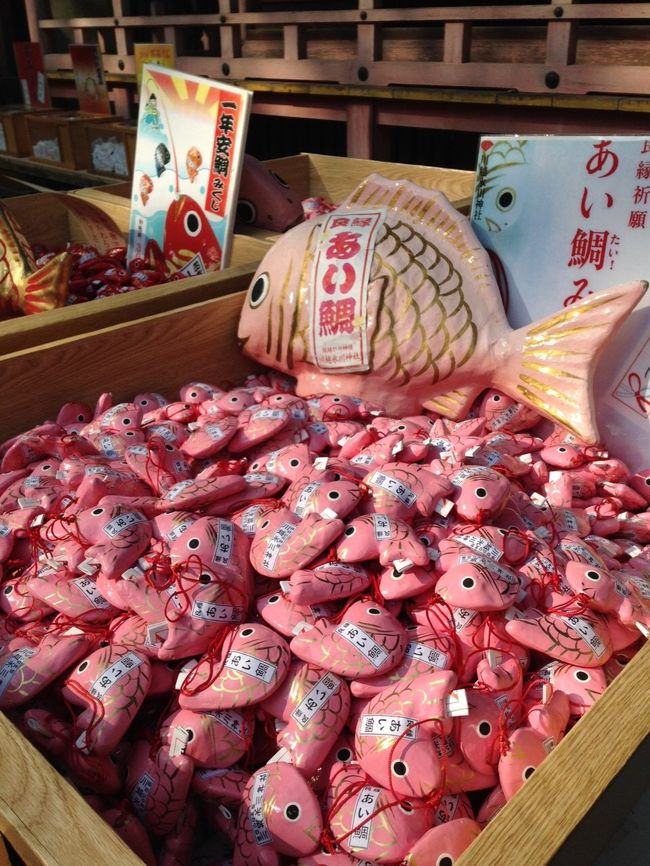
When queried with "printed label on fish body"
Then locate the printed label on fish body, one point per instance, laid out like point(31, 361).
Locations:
point(315, 698)
point(427, 654)
point(387, 726)
point(114, 673)
point(232, 720)
point(586, 632)
point(214, 431)
point(503, 417)
point(490, 564)
point(178, 488)
point(462, 616)
point(106, 447)
point(362, 459)
point(164, 432)
point(140, 793)
point(251, 666)
point(260, 478)
point(175, 533)
point(339, 289)
point(89, 588)
point(269, 415)
point(480, 545)
point(216, 612)
point(256, 810)
point(123, 522)
point(381, 524)
point(581, 551)
point(249, 519)
point(362, 641)
point(447, 808)
point(405, 495)
point(12, 665)
point(305, 496)
point(641, 584)
point(567, 520)
point(445, 747)
point(4, 530)
point(223, 547)
point(458, 478)
point(363, 808)
point(275, 544)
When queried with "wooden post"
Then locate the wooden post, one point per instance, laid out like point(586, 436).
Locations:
point(230, 35)
point(359, 132)
point(561, 43)
point(294, 42)
point(456, 42)
point(32, 21)
point(369, 39)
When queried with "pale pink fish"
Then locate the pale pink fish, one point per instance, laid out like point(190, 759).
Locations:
point(218, 546)
point(279, 814)
point(112, 445)
point(148, 400)
point(427, 650)
point(395, 584)
point(71, 594)
point(98, 486)
point(158, 785)
point(117, 419)
point(259, 485)
point(257, 425)
point(73, 416)
point(225, 785)
point(318, 711)
point(110, 686)
point(368, 640)
point(497, 543)
point(288, 462)
point(199, 392)
point(329, 581)
point(14, 525)
point(462, 777)
point(526, 751)
point(20, 603)
point(297, 409)
point(328, 407)
point(374, 455)
point(550, 718)
point(582, 685)
point(403, 491)
point(193, 494)
point(179, 411)
point(480, 493)
point(622, 636)
point(450, 339)
point(443, 844)
point(113, 536)
point(248, 666)
point(129, 827)
point(211, 739)
point(342, 752)
point(159, 466)
point(284, 543)
point(172, 432)
point(602, 590)
point(210, 437)
point(289, 618)
point(489, 716)
point(27, 668)
point(393, 739)
point(580, 639)
point(479, 583)
point(451, 807)
point(379, 536)
point(491, 806)
point(369, 821)
point(323, 493)
point(494, 458)
point(504, 413)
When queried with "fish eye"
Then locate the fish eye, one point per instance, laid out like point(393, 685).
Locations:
point(506, 199)
point(374, 611)
point(445, 860)
point(279, 179)
point(295, 462)
point(126, 421)
point(424, 540)
point(194, 543)
point(350, 531)
point(273, 599)
point(169, 447)
point(333, 494)
point(97, 511)
point(502, 531)
point(46, 467)
point(528, 772)
point(343, 755)
point(205, 578)
point(265, 525)
point(592, 575)
point(582, 676)
point(82, 667)
point(484, 729)
point(336, 399)
point(189, 735)
point(246, 211)
point(255, 465)
point(192, 223)
point(247, 632)
point(561, 449)
point(467, 583)
point(480, 492)
point(292, 812)
point(406, 807)
point(80, 418)
point(496, 398)
point(400, 768)
point(8, 590)
point(397, 575)
point(259, 290)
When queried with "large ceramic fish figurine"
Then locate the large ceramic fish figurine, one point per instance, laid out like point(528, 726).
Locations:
point(426, 328)
point(24, 286)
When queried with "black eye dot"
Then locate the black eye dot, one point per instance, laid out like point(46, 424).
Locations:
point(144, 402)
point(205, 578)
point(80, 418)
point(496, 398)
point(562, 449)
point(445, 860)
point(169, 447)
point(82, 667)
point(234, 399)
point(336, 399)
point(583, 676)
point(46, 467)
point(528, 772)
point(193, 543)
point(333, 494)
point(194, 394)
point(406, 807)
point(265, 524)
point(97, 511)
point(278, 398)
point(8, 590)
point(350, 531)
point(295, 462)
point(374, 611)
point(505, 198)
point(467, 582)
point(337, 477)
point(402, 427)
point(255, 465)
point(481, 492)
point(274, 599)
point(126, 421)
point(189, 735)
point(400, 768)
point(424, 540)
point(247, 632)
point(292, 811)
point(647, 481)
point(343, 755)
point(396, 574)
point(484, 728)
point(592, 575)
point(502, 531)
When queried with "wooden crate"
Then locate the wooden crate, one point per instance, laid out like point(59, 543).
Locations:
point(14, 139)
point(119, 136)
point(64, 136)
point(44, 220)
point(48, 823)
point(312, 174)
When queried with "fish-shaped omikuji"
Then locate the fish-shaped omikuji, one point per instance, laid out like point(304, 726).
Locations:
point(437, 334)
point(24, 287)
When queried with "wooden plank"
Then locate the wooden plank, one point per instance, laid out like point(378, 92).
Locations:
point(359, 130)
point(156, 353)
point(561, 43)
point(561, 791)
point(294, 42)
point(457, 42)
point(33, 24)
point(41, 815)
point(4, 854)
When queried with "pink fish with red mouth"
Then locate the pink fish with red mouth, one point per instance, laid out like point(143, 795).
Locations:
point(450, 339)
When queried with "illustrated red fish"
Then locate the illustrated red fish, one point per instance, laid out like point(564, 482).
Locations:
point(430, 316)
point(193, 162)
point(146, 188)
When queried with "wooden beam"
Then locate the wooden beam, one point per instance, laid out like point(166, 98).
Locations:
point(294, 42)
point(456, 42)
point(561, 43)
point(359, 132)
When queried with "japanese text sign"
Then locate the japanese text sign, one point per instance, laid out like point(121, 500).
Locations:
point(31, 71)
point(89, 78)
point(158, 53)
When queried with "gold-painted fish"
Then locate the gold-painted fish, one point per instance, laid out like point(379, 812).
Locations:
point(435, 329)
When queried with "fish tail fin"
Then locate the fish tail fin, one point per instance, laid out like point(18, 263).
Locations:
point(47, 288)
point(552, 362)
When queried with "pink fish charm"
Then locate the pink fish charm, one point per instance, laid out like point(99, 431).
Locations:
point(479, 583)
point(367, 641)
point(329, 581)
point(582, 685)
point(158, 785)
point(224, 785)
point(331, 496)
point(526, 751)
point(193, 494)
point(578, 639)
point(481, 493)
point(284, 543)
point(402, 492)
point(213, 739)
point(288, 618)
point(279, 815)
point(379, 536)
point(443, 844)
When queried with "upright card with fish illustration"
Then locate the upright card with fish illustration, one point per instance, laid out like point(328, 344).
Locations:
point(31, 72)
point(188, 161)
point(562, 217)
point(89, 78)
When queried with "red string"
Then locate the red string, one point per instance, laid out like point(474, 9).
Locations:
point(217, 646)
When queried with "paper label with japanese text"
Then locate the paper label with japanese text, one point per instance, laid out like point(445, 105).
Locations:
point(339, 289)
point(251, 666)
point(401, 491)
point(114, 673)
point(387, 726)
point(13, 664)
point(586, 632)
point(427, 654)
point(362, 642)
point(276, 542)
point(315, 698)
point(364, 807)
point(589, 198)
point(256, 809)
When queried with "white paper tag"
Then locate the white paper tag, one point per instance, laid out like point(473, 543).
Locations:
point(251, 666)
point(387, 726)
point(458, 478)
point(231, 719)
point(114, 673)
point(256, 810)
point(89, 588)
point(362, 459)
point(140, 793)
point(381, 523)
point(364, 806)
point(275, 544)
point(178, 488)
point(249, 519)
point(125, 521)
point(216, 612)
point(13, 664)
point(427, 654)
point(586, 632)
point(405, 495)
point(490, 564)
point(269, 415)
point(362, 642)
point(462, 616)
point(175, 533)
point(480, 545)
point(457, 703)
point(223, 546)
point(305, 495)
point(194, 267)
point(315, 698)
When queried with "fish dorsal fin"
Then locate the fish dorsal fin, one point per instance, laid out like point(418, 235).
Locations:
point(454, 404)
point(428, 207)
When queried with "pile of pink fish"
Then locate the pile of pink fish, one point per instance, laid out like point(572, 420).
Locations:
point(302, 632)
